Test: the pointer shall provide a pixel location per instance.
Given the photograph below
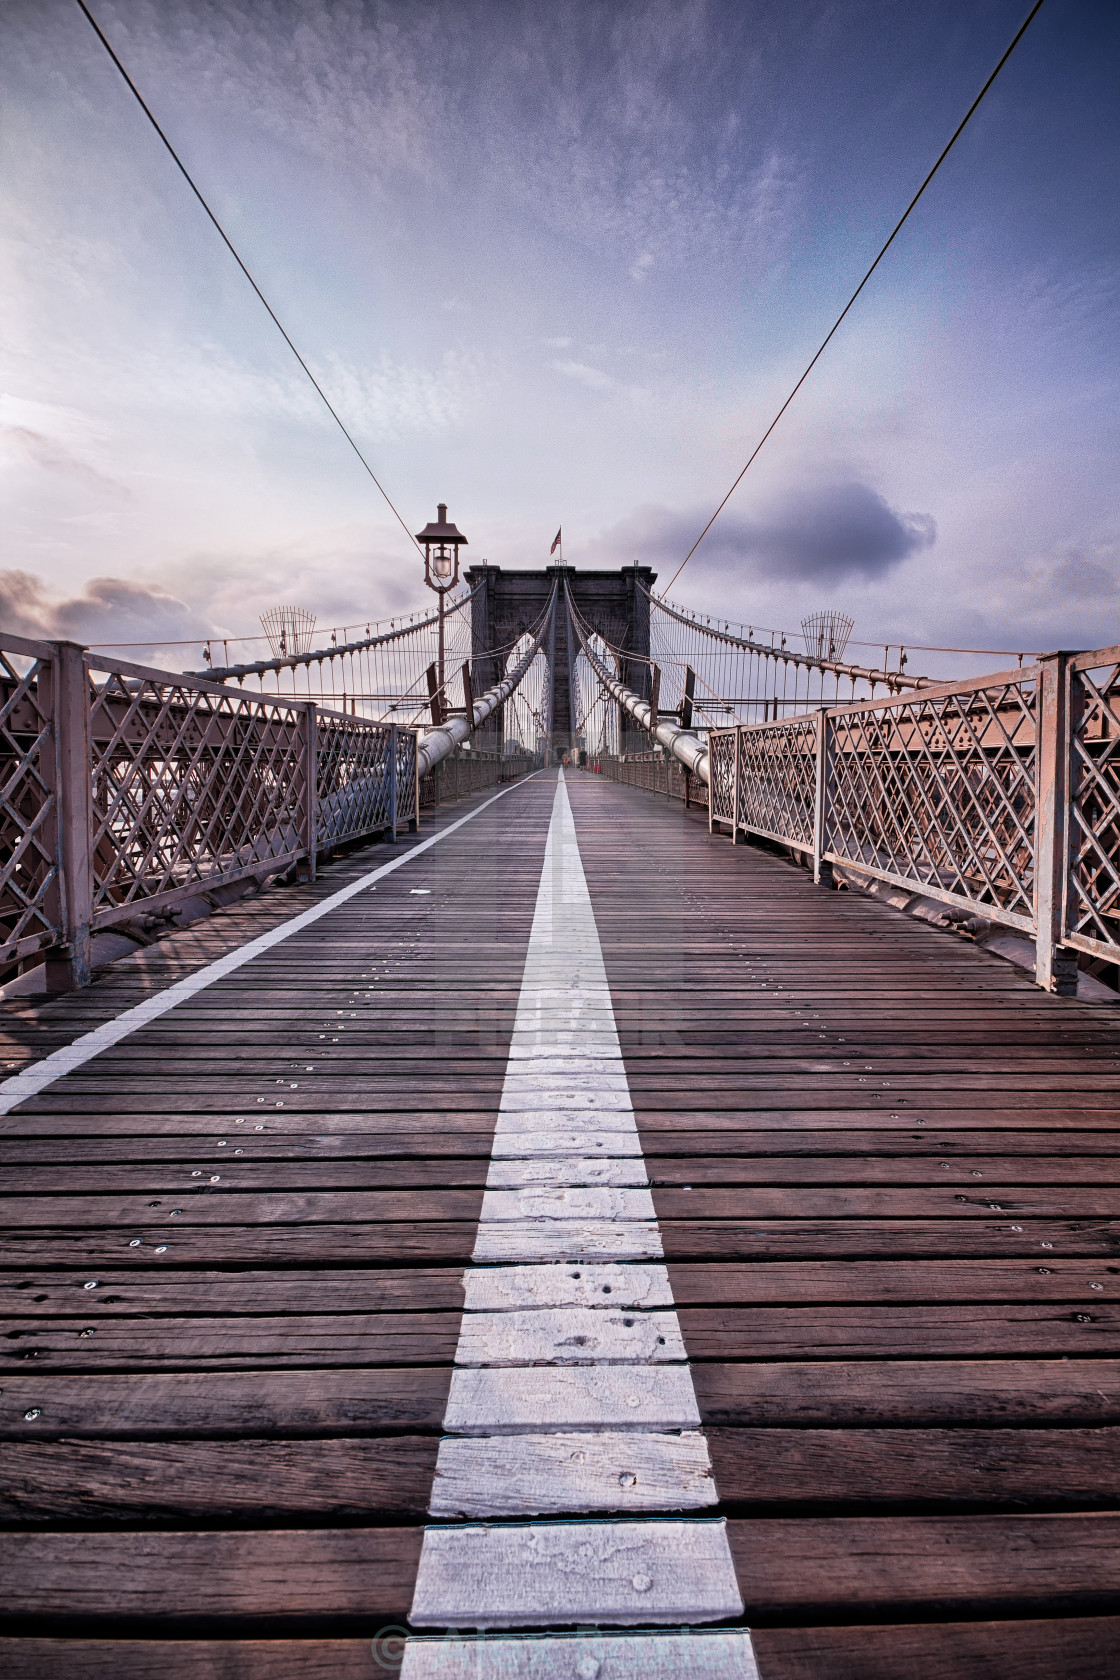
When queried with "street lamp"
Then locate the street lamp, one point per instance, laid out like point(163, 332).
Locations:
point(442, 542)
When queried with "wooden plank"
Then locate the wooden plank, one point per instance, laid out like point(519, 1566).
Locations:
point(98, 1481)
point(236, 1576)
point(255, 1245)
point(504, 1288)
point(530, 1474)
point(795, 1283)
point(1076, 1468)
point(702, 1654)
point(911, 1392)
point(219, 1405)
point(176, 1210)
point(960, 1173)
point(882, 1239)
point(143, 1292)
point(898, 1331)
point(569, 1336)
point(206, 1169)
point(489, 1401)
point(948, 1566)
point(607, 1573)
point(234, 1343)
point(186, 1659)
point(1082, 1647)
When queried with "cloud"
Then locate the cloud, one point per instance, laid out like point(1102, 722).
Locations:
point(114, 611)
point(53, 456)
point(594, 378)
point(824, 533)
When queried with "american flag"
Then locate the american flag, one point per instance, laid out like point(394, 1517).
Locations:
point(555, 543)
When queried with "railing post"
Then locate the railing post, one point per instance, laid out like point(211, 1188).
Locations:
point(393, 779)
point(309, 731)
point(822, 868)
point(68, 964)
point(1055, 965)
point(735, 786)
point(414, 822)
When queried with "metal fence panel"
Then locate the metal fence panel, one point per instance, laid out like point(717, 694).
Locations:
point(1092, 900)
point(650, 771)
point(938, 791)
point(357, 777)
point(30, 888)
point(191, 784)
point(776, 784)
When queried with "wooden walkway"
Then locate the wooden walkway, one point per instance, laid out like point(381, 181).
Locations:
point(884, 1172)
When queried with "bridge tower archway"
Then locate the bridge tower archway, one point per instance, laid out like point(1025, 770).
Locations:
point(509, 602)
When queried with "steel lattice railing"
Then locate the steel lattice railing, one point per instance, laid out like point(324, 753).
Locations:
point(653, 772)
point(126, 789)
point(1000, 794)
point(31, 912)
point(1092, 878)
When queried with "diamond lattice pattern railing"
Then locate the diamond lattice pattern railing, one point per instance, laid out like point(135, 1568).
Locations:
point(189, 785)
point(354, 767)
point(721, 769)
point(777, 779)
point(30, 909)
point(939, 791)
point(1093, 882)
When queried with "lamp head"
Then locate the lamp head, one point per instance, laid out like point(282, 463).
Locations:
point(442, 541)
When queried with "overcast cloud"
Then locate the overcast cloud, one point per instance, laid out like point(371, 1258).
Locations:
point(560, 264)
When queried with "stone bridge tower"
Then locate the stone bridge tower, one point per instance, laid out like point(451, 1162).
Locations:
point(511, 602)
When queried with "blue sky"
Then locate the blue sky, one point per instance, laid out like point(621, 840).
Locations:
point(560, 263)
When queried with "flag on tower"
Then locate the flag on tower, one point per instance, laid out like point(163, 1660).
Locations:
point(555, 543)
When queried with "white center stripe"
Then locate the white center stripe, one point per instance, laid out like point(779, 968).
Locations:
point(571, 1395)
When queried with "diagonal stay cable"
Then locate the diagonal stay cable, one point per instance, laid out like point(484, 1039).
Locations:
point(895, 231)
point(182, 168)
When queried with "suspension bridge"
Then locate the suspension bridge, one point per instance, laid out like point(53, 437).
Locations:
point(568, 1181)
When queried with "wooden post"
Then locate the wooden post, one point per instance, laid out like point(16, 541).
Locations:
point(822, 868)
point(1055, 965)
point(689, 697)
point(435, 698)
point(414, 824)
point(309, 732)
point(68, 964)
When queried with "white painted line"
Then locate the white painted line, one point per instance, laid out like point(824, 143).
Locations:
point(35, 1079)
point(523, 1145)
point(507, 1288)
point(569, 1336)
point(566, 1202)
point(698, 1654)
point(571, 1393)
point(533, 1475)
point(567, 1239)
point(567, 1172)
point(552, 1574)
point(534, 1398)
point(566, 1119)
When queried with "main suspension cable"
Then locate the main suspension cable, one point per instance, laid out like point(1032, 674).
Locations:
point(896, 230)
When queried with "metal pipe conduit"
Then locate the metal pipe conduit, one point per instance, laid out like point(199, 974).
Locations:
point(684, 744)
point(439, 743)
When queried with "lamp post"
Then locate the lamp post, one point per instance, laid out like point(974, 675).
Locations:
point(442, 542)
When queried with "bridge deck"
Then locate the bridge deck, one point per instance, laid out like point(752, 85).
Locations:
point(884, 1169)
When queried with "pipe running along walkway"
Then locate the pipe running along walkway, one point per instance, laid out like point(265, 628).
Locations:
point(582, 1248)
